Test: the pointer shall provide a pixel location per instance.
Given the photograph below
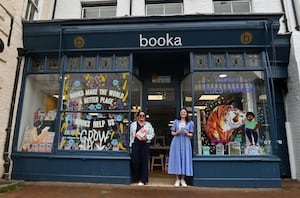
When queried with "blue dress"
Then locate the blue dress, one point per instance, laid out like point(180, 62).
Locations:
point(180, 156)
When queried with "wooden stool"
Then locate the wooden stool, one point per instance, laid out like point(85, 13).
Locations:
point(166, 163)
point(157, 161)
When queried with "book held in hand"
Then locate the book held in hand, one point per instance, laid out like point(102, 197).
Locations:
point(141, 133)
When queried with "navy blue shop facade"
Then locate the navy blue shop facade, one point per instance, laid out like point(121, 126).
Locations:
point(83, 81)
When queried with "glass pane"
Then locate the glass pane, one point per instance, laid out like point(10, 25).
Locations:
point(38, 64)
point(161, 94)
point(37, 126)
point(136, 93)
point(223, 101)
point(95, 92)
point(236, 60)
point(122, 62)
point(94, 131)
point(254, 60)
point(186, 87)
point(108, 11)
point(241, 7)
point(200, 61)
point(91, 12)
point(53, 63)
point(222, 7)
point(89, 63)
point(154, 9)
point(218, 60)
point(73, 63)
point(106, 63)
point(173, 8)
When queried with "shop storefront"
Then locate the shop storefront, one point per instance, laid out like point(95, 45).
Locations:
point(84, 80)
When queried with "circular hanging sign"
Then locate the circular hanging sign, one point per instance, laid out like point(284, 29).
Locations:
point(79, 42)
point(246, 38)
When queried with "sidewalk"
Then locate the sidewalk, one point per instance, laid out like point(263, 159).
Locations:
point(74, 190)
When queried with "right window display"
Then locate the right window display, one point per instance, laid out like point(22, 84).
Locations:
point(231, 113)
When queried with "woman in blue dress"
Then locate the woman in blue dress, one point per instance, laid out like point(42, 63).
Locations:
point(180, 156)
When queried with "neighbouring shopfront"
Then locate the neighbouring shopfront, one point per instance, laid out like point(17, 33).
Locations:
point(84, 81)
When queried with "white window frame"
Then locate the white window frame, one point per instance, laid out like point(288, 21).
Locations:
point(32, 6)
point(232, 4)
point(164, 7)
point(101, 9)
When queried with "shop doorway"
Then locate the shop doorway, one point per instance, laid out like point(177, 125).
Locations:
point(161, 73)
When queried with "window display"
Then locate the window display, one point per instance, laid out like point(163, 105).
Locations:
point(231, 111)
point(86, 124)
point(37, 127)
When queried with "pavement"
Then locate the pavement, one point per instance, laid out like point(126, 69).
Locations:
point(24, 189)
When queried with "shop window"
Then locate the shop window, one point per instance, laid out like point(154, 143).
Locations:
point(236, 60)
point(87, 98)
point(232, 7)
point(73, 63)
point(37, 64)
point(223, 102)
point(136, 99)
point(37, 126)
point(53, 63)
point(254, 60)
point(201, 61)
point(161, 8)
point(106, 63)
point(122, 62)
point(218, 60)
point(89, 63)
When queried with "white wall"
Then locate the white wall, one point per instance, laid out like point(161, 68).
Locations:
point(266, 6)
point(68, 9)
point(8, 63)
point(293, 97)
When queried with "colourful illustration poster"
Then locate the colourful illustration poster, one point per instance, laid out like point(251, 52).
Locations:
point(91, 120)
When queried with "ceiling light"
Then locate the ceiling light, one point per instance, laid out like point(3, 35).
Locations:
point(223, 75)
point(209, 97)
point(155, 97)
point(199, 107)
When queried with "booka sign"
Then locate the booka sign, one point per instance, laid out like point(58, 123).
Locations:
point(163, 41)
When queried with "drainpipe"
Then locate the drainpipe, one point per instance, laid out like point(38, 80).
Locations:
point(54, 9)
point(296, 16)
point(6, 153)
point(130, 8)
point(284, 17)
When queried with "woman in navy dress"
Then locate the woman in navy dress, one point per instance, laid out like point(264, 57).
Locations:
point(180, 156)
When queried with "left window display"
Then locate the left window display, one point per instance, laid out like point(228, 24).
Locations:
point(38, 119)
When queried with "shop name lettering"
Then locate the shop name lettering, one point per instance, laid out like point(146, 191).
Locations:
point(163, 41)
point(95, 99)
point(223, 88)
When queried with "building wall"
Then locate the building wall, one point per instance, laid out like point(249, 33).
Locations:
point(293, 100)
point(138, 7)
point(8, 61)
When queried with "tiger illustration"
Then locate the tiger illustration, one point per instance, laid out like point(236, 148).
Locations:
point(222, 121)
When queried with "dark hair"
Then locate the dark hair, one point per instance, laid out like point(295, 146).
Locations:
point(139, 112)
point(250, 113)
point(187, 119)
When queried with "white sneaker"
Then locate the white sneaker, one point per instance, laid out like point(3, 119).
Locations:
point(177, 183)
point(183, 183)
point(141, 184)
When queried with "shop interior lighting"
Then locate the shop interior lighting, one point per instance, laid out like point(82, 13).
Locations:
point(208, 97)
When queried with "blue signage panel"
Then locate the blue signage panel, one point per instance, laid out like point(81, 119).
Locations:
point(206, 34)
